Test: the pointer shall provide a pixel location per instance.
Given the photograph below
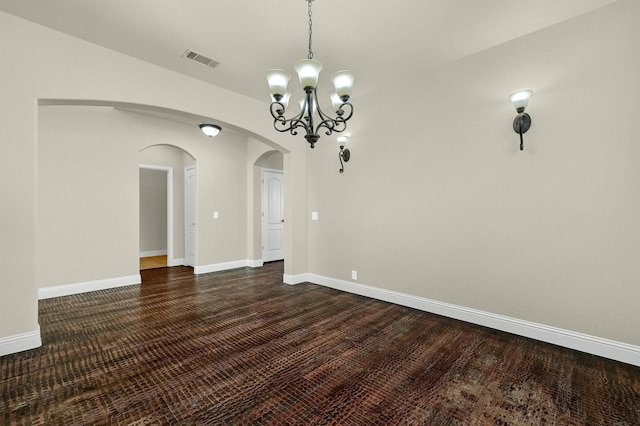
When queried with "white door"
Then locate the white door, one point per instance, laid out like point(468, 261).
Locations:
point(272, 216)
point(190, 216)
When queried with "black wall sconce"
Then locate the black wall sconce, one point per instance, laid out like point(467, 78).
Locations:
point(210, 130)
point(344, 153)
point(522, 122)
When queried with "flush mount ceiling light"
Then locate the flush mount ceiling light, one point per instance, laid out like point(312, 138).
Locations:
point(311, 117)
point(522, 122)
point(210, 130)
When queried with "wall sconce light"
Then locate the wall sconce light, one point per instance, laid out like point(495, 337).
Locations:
point(522, 122)
point(344, 153)
point(210, 130)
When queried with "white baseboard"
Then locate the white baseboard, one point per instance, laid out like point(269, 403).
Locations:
point(216, 267)
point(153, 253)
point(175, 262)
point(20, 342)
point(296, 279)
point(611, 349)
point(76, 288)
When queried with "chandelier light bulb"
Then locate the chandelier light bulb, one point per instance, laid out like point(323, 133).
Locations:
point(336, 102)
point(278, 80)
point(343, 82)
point(308, 71)
point(284, 100)
point(304, 108)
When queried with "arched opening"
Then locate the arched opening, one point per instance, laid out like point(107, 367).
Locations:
point(268, 171)
point(163, 207)
point(97, 215)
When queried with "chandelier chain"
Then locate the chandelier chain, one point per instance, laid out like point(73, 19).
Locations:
point(310, 32)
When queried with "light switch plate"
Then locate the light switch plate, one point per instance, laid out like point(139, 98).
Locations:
point(314, 215)
point(216, 215)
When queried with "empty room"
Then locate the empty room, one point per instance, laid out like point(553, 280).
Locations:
point(423, 212)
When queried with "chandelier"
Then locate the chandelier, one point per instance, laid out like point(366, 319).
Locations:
point(311, 117)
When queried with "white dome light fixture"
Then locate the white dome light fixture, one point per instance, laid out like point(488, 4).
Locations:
point(210, 130)
point(308, 71)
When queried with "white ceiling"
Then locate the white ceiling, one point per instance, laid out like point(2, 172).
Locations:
point(378, 40)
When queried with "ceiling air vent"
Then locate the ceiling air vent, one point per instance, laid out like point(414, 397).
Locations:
point(194, 56)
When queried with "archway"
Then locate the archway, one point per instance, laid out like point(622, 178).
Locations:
point(268, 171)
point(172, 161)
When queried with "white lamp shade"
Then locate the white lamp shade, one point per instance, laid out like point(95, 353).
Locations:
point(520, 99)
point(308, 71)
point(285, 99)
point(343, 82)
point(210, 130)
point(313, 107)
point(336, 102)
point(342, 141)
point(278, 81)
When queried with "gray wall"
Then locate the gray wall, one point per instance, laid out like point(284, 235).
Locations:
point(270, 160)
point(88, 191)
point(153, 210)
point(438, 201)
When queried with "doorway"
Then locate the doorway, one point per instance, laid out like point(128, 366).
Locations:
point(272, 215)
point(156, 216)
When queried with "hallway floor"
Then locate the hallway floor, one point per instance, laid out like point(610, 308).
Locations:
point(153, 262)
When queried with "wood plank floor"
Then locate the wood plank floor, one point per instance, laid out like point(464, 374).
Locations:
point(240, 347)
point(152, 262)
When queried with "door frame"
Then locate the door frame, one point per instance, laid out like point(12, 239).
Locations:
point(195, 217)
point(169, 171)
point(263, 232)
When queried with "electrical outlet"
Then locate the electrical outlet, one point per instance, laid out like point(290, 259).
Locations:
point(354, 275)
point(216, 215)
point(314, 215)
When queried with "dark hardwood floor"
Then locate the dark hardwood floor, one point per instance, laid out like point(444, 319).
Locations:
point(240, 347)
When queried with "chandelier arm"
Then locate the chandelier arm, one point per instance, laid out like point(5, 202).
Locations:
point(296, 123)
point(326, 121)
point(337, 124)
point(332, 126)
point(341, 112)
point(286, 124)
point(277, 110)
